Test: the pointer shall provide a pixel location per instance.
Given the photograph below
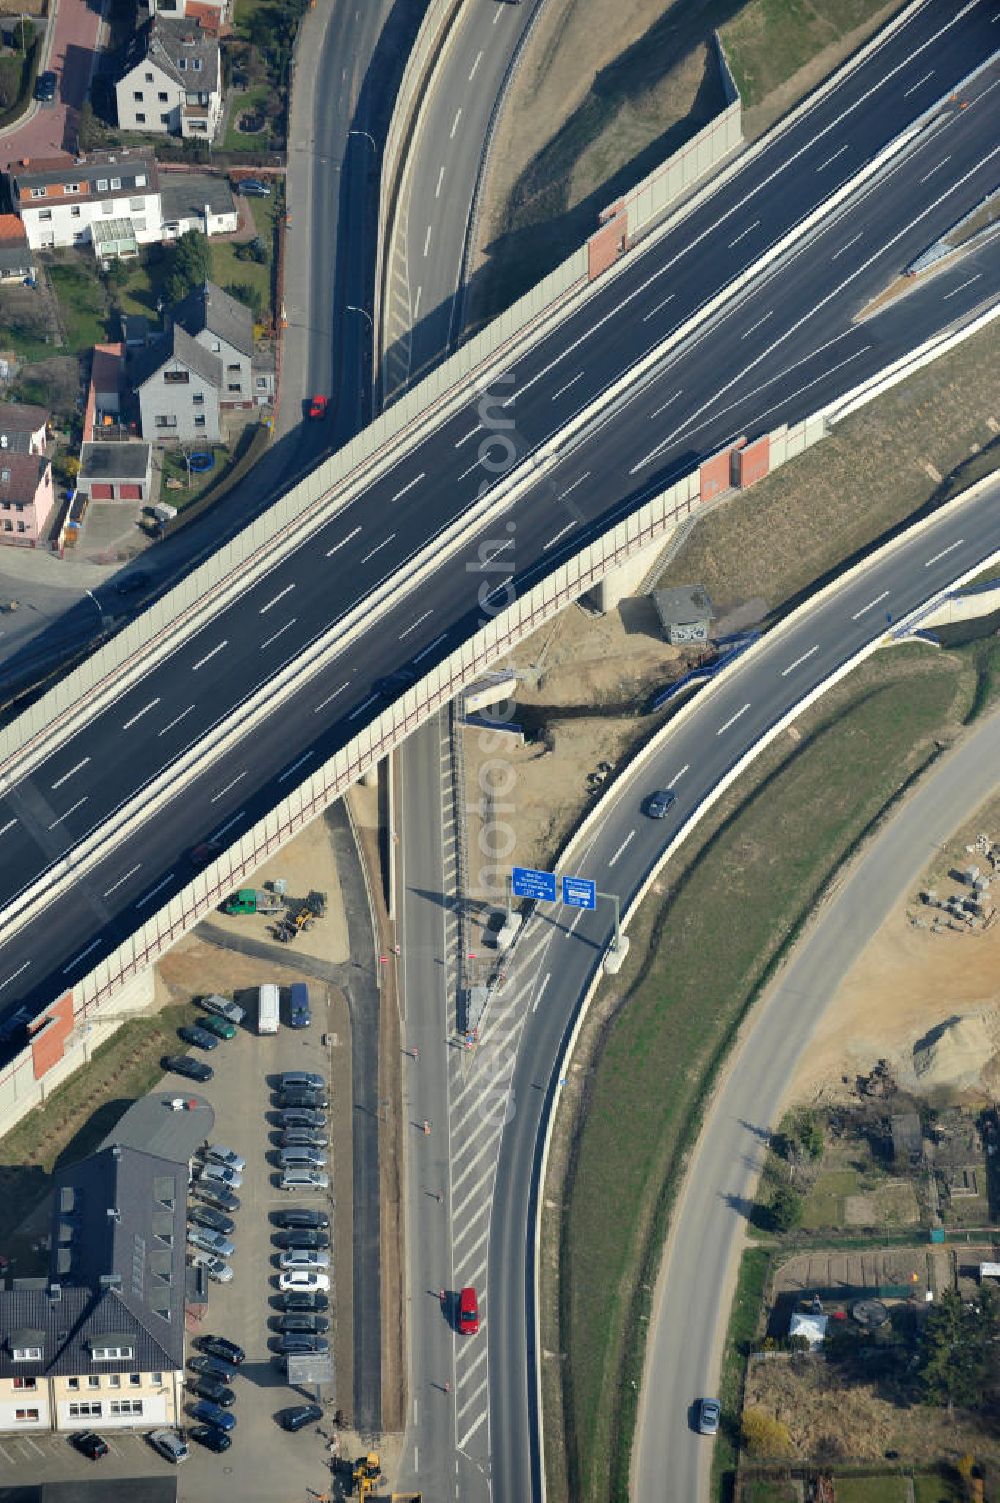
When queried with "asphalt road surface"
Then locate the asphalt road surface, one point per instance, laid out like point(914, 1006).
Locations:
point(561, 949)
point(790, 346)
point(694, 1289)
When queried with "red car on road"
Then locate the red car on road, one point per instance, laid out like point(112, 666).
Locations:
point(468, 1312)
point(318, 406)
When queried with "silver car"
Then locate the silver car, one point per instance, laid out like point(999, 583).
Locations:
point(169, 1444)
point(304, 1259)
point(219, 1174)
point(304, 1179)
point(302, 1158)
point(218, 1154)
point(211, 1242)
point(216, 1268)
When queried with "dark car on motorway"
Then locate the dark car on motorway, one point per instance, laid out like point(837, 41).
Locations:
point(214, 1220)
point(212, 1367)
point(392, 684)
point(219, 1196)
point(302, 1323)
point(302, 1116)
point(221, 1346)
point(215, 1392)
point(202, 854)
point(659, 803)
point(183, 1064)
point(303, 1216)
point(210, 1414)
point(199, 1037)
point(303, 1236)
point(299, 1416)
point(302, 1137)
point(211, 1437)
point(303, 1096)
point(302, 1299)
point(302, 1346)
point(132, 583)
point(90, 1444)
point(708, 1416)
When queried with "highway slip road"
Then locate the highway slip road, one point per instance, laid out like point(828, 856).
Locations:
point(557, 958)
point(783, 351)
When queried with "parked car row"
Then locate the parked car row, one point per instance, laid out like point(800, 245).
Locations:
point(214, 1370)
point(301, 1097)
point(303, 1235)
point(219, 1175)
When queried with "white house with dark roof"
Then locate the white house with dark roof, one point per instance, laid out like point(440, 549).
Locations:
point(99, 1344)
point(171, 79)
point(69, 201)
point(224, 326)
point(22, 428)
point(177, 383)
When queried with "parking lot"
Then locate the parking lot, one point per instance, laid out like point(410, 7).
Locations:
point(263, 1462)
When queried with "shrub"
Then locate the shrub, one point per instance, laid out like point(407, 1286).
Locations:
point(763, 1435)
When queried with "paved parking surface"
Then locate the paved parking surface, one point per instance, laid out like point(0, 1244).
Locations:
point(264, 1465)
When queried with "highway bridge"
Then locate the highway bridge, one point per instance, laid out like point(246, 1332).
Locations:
point(778, 351)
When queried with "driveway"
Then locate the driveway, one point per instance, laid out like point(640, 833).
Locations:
point(49, 130)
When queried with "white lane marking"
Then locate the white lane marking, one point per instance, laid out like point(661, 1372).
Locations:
point(377, 547)
point(138, 716)
point(628, 839)
point(67, 775)
point(496, 16)
point(562, 494)
point(154, 890)
point(8, 826)
point(121, 880)
point(176, 720)
point(343, 542)
point(324, 702)
point(937, 168)
point(209, 655)
point(678, 775)
point(568, 933)
point(454, 124)
point(742, 234)
point(792, 666)
point(871, 604)
point(914, 87)
point(280, 632)
point(664, 405)
point(754, 327)
point(416, 300)
point(553, 541)
point(847, 245)
point(280, 596)
point(961, 288)
point(471, 434)
point(474, 466)
point(836, 154)
point(229, 824)
point(654, 311)
point(437, 190)
point(419, 621)
point(471, 1431)
point(14, 975)
point(92, 946)
point(944, 551)
point(79, 804)
point(479, 58)
point(733, 719)
point(541, 989)
point(497, 589)
point(362, 707)
point(427, 239)
point(436, 643)
point(575, 379)
point(295, 766)
point(222, 793)
point(415, 481)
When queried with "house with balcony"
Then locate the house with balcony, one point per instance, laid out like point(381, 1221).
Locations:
point(27, 497)
point(110, 200)
point(171, 80)
point(213, 14)
point(99, 1342)
point(22, 428)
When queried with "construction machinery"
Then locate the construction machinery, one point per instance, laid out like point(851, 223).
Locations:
point(301, 918)
point(366, 1474)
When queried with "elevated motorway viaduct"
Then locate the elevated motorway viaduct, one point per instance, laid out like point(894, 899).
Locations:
point(780, 352)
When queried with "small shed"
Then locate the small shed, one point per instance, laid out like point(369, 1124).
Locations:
point(988, 1271)
point(812, 1327)
point(685, 613)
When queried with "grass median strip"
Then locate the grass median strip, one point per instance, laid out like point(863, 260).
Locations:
point(657, 1036)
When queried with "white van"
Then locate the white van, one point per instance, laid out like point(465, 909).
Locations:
point(164, 513)
point(267, 1009)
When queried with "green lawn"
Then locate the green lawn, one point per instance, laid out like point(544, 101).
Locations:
point(872, 1490)
point(175, 468)
point(930, 1489)
point(824, 1205)
point(238, 140)
point(754, 882)
point(770, 1492)
point(743, 1318)
point(228, 270)
point(769, 40)
point(144, 285)
point(82, 305)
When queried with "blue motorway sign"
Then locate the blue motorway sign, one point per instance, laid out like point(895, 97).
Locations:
point(529, 883)
point(579, 892)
